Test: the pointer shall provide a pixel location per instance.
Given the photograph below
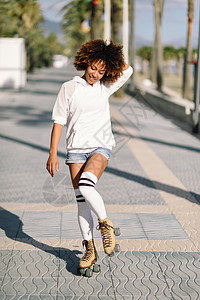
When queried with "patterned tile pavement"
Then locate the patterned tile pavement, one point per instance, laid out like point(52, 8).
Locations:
point(150, 187)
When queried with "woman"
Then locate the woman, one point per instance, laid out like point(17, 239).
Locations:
point(82, 105)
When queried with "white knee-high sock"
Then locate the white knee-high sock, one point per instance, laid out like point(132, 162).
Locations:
point(85, 219)
point(86, 186)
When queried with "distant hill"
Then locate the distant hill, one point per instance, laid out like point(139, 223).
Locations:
point(178, 43)
point(56, 27)
point(181, 42)
point(140, 42)
point(51, 26)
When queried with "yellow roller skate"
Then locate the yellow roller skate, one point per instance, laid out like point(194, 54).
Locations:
point(87, 264)
point(108, 233)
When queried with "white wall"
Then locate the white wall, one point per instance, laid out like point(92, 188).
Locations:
point(12, 63)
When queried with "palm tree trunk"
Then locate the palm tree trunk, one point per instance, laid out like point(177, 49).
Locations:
point(116, 18)
point(96, 23)
point(132, 39)
point(132, 32)
point(188, 56)
point(157, 54)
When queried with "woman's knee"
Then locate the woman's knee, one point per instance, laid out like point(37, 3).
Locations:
point(96, 164)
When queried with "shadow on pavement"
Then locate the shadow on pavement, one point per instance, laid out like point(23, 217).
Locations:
point(13, 228)
point(39, 92)
point(159, 142)
point(190, 196)
point(34, 146)
point(56, 81)
point(25, 115)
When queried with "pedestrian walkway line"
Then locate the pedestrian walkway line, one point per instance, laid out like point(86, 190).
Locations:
point(186, 212)
point(128, 244)
point(113, 208)
point(73, 244)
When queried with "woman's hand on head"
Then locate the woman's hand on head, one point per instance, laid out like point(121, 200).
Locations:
point(52, 165)
point(126, 66)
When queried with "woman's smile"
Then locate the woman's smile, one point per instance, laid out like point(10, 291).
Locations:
point(94, 72)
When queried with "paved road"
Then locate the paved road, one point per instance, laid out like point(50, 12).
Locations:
point(150, 187)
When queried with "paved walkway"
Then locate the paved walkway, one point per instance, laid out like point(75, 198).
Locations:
point(151, 188)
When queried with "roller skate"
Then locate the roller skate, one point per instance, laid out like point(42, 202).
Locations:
point(108, 233)
point(87, 264)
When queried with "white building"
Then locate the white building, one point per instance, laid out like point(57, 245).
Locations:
point(12, 63)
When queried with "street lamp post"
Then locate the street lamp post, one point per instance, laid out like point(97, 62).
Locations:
point(132, 39)
point(195, 115)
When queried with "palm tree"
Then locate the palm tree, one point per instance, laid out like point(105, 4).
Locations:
point(188, 55)
point(179, 58)
point(169, 53)
point(96, 23)
point(28, 15)
point(116, 19)
point(75, 13)
point(145, 54)
point(157, 54)
point(8, 24)
point(132, 39)
point(22, 18)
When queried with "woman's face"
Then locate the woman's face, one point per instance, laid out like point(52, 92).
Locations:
point(95, 72)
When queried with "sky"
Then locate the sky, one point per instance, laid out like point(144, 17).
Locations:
point(174, 23)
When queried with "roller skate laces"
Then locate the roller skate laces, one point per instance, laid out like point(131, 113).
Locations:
point(108, 236)
point(90, 255)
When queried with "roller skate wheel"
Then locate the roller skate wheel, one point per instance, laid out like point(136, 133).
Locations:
point(82, 271)
point(117, 231)
point(111, 254)
point(96, 268)
point(117, 248)
point(88, 273)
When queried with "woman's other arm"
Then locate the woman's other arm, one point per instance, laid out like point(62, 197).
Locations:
point(52, 162)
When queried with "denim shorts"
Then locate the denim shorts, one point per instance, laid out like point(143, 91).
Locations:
point(77, 158)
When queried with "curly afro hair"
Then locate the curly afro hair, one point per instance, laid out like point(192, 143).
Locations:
point(95, 50)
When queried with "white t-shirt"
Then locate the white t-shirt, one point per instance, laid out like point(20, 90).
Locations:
point(84, 109)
